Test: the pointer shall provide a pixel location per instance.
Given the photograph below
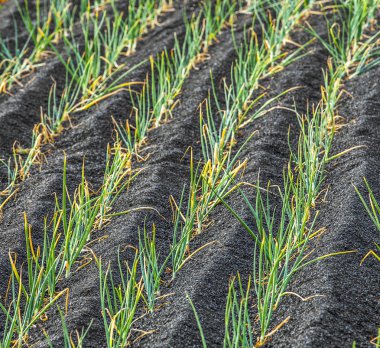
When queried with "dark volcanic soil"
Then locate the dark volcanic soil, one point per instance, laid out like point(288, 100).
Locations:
point(349, 309)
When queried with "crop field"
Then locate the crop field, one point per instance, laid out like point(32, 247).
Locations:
point(189, 173)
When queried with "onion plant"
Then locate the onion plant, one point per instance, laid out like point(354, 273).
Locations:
point(58, 109)
point(349, 41)
point(10, 176)
point(238, 322)
point(207, 185)
point(18, 166)
point(238, 330)
point(372, 207)
point(23, 159)
point(181, 234)
point(119, 301)
point(277, 19)
point(87, 212)
point(94, 62)
point(154, 104)
point(50, 21)
point(217, 16)
point(68, 340)
point(151, 269)
point(28, 302)
point(14, 62)
point(253, 64)
point(257, 60)
point(183, 226)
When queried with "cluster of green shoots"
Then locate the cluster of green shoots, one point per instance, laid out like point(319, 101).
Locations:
point(92, 74)
point(212, 179)
point(373, 210)
point(238, 316)
point(119, 302)
point(257, 60)
point(348, 44)
point(372, 207)
point(68, 340)
point(282, 238)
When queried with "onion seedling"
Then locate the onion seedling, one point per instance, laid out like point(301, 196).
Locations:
point(50, 22)
point(68, 340)
point(28, 297)
point(352, 50)
point(217, 16)
point(150, 269)
point(14, 62)
point(154, 104)
point(373, 210)
point(93, 63)
point(119, 301)
point(87, 212)
point(238, 331)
